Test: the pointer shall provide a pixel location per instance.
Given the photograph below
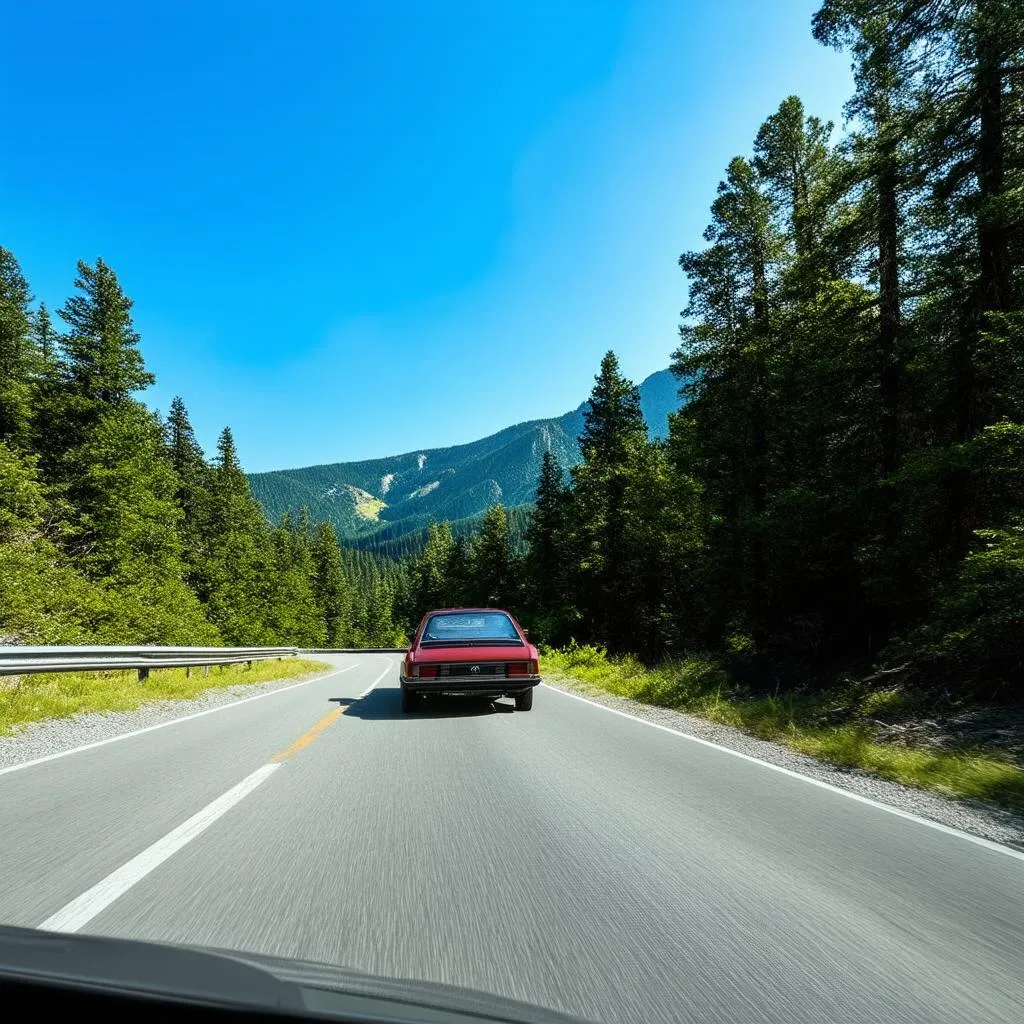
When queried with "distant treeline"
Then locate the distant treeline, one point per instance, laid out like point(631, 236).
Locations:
point(406, 546)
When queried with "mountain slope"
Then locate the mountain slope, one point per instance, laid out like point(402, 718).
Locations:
point(401, 494)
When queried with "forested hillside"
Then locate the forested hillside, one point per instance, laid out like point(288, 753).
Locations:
point(387, 504)
point(404, 545)
point(114, 528)
point(844, 487)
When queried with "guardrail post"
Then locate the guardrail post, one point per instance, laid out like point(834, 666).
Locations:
point(143, 674)
point(206, 670)
point(248, 664)
point(188, 671)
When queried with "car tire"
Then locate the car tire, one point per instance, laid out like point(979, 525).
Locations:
point(409, 701)
point(524, 700)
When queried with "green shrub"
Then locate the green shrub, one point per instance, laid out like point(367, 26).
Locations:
point(976, 636)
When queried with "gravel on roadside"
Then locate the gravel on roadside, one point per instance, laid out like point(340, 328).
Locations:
point(55, 735)
point(993, 823)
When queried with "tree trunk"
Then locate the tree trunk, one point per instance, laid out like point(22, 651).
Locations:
point(993, 232)
point(889, 321)
point(974, 401)
point(759, 454)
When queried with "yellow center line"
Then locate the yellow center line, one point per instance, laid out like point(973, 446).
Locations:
point(309, 735)
point(332, 716)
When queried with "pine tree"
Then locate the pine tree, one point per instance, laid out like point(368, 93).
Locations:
point(613, 418)
point(792, 158)
point(17, 352)
point(99, 369)
point(613, 429)
point(403, 619)
point(43, 598)
point(103, 357)
point(46, 337)
point(47, 430)
point(105, 453)
point(458, 573)
point(186, 455)
point(661, 547)
point(975, 156)
point(884, 184)
point(128, 512)
point(546, 563)
point(293, 616)
point(239, 554)
point(194, 477)
point(492, 575)
point(381, 630)
point(101, 362)
point(330, 587)
point(729, 343)
point(430, 583)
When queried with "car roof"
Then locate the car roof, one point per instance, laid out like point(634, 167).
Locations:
point(448, 611)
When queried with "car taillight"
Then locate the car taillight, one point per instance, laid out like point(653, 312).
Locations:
point(426, 671)
point(522, 668)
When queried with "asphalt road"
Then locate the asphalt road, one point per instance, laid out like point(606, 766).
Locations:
point(568, 857)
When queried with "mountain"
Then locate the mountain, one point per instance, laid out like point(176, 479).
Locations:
point(378, 502)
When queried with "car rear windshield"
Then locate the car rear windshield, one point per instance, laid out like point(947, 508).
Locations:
point(470, 626)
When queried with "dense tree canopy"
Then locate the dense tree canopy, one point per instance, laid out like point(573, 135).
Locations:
point(115, 528)
point(845, 483)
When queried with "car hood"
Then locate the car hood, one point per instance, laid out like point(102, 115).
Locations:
point(241, 979)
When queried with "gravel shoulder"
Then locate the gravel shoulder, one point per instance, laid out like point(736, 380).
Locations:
point(993, 823)
point(55, 735)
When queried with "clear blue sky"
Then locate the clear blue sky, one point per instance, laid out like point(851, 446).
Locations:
point(353, 229)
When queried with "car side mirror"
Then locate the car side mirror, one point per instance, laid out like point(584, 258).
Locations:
point(526, 633)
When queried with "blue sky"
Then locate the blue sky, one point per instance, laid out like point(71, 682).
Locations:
point(353, 229)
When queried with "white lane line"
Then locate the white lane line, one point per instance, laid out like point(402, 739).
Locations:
point(82, 910)
point(173, 721)
point(377, 680)
point(977, 840)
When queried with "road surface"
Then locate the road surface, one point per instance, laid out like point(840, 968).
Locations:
point(569, 857)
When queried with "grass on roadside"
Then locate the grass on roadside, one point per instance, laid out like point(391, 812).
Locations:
point(833, 726)
point(60, 695)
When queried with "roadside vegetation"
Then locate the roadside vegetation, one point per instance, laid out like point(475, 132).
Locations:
point(33, 698)
point(840, 725)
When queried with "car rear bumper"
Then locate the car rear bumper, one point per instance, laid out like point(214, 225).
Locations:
point(491, 686)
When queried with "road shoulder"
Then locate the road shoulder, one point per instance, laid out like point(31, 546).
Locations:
point(53, 736)
point(992, 823)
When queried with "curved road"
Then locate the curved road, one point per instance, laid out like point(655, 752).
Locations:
point(569, 857)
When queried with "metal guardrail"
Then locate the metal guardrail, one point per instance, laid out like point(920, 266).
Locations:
point(353, 650)
point(17, 661)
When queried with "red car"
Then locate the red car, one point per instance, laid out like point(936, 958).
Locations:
point(472, 651)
